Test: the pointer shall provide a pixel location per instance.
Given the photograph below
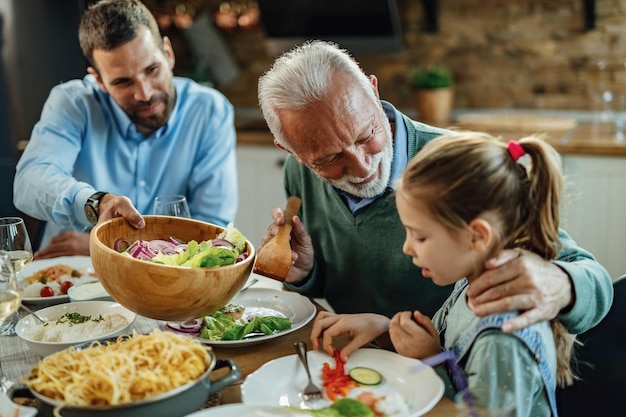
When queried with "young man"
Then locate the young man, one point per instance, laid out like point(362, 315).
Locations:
point(108, 144)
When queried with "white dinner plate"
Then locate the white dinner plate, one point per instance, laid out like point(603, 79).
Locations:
point(241, 410)
point(80, 263)
point(281, 381)
point(270, 302)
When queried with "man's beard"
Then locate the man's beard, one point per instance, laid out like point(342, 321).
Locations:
point(382, 160)
point(152, 122)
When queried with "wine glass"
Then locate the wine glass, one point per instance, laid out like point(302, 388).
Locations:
point(15, 241)
point(171, 205)
point(10, 299)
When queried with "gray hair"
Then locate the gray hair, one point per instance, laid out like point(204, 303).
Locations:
point(301, 77)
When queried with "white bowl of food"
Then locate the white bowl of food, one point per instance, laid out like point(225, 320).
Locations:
point(73, 323)
point(89, 291)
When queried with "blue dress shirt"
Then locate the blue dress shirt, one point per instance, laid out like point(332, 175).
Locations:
point(84, 142)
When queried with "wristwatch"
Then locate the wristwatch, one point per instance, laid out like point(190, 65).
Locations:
point(92, 205)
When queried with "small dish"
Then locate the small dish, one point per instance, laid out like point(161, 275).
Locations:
point(89, 291)
point(95, 330)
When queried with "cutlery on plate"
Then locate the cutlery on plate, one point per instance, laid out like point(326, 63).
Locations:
point(37, 316)
point(252, 282)
point(311, 391)
point(274, 259)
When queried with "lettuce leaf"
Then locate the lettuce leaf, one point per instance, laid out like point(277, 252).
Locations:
point(220, 326)
point(235, 237)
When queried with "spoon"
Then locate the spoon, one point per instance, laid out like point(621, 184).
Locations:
point(37, 316)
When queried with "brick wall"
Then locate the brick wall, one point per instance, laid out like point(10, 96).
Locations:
point(534, 54)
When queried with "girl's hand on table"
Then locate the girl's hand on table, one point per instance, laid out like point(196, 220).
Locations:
point(361, 329)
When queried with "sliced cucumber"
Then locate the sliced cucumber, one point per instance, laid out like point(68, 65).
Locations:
point(365, 376)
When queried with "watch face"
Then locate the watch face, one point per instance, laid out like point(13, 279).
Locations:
point(91, 214)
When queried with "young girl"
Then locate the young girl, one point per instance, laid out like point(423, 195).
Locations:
point(464, 197)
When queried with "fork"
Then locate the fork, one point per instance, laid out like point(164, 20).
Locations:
point(311, 391)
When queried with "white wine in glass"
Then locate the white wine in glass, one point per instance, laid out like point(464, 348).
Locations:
point(15, 241)
point(10, 299)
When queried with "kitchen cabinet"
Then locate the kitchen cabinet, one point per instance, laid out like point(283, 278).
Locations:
point(260, 176)
point(594, 207)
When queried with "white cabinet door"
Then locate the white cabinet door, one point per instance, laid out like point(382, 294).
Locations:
point(594, 207)
point(260, 177)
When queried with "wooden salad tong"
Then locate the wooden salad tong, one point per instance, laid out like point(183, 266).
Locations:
point(274, 259)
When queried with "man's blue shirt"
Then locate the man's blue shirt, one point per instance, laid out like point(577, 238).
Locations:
point(84, 142)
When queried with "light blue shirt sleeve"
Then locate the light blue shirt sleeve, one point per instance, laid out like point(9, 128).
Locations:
point(85, 143)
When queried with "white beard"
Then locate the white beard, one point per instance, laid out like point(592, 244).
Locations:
point(381, 162)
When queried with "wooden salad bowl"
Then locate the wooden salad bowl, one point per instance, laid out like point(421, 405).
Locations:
point(164, 292)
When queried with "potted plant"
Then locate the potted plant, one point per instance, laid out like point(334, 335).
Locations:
point(434, 93)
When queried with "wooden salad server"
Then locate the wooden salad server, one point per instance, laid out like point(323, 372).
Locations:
point(274, 259)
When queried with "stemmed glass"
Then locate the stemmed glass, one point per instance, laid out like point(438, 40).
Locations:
point(171, 205)
point(17, 252)
point(15, 241)
point(10, 299)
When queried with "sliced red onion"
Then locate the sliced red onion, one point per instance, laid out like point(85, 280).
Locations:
point(189, 326)
point(163, 246)
point(222, 243)
point(121, 244)
point(192, 324)
point(176, 241)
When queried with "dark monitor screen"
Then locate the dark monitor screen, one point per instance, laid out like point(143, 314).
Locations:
point(361, 26)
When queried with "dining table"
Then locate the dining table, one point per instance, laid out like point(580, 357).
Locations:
point(16, 359)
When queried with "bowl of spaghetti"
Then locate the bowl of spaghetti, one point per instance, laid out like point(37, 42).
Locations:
point(160, 291)
point(160, 374)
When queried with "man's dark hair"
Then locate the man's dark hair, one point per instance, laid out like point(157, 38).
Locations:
point(111, 23)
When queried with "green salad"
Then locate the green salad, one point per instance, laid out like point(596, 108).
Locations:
point(220, 326)
point(227, 248)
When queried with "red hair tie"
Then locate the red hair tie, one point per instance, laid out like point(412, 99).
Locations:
point(515, 150)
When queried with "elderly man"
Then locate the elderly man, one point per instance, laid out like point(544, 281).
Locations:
point(347, 148)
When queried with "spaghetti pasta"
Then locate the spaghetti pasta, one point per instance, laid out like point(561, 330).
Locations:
point(130, 369)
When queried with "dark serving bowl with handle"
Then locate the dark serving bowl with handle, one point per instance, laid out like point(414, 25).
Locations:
point(177, 402)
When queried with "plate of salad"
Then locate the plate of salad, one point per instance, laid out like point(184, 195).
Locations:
point(379, 379)
point(265, 314)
